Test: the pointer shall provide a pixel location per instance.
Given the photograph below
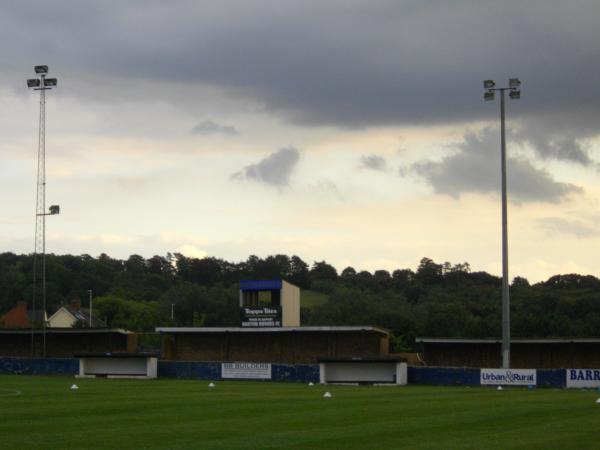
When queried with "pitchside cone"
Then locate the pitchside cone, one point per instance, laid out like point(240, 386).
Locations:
point(211, 385)
point(327, 395)
point(74, 387)
point(598, 401)
point(311, 384)
point(499, 388)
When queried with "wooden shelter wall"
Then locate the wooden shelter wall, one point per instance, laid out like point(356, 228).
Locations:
point(523, 355)
point(62, 345)
point(286, 348)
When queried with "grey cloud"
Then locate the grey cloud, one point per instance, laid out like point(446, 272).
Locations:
point(550, 138)
point(373, 162)
point(274, 170)
point(329, 187)
point(208, 127)
point(347, 63)
point(475, 168)
point(559, 225)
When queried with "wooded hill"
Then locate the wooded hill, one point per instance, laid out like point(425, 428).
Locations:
point(437, 300)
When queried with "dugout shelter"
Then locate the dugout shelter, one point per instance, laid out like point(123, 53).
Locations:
point(65, 342)
point(285, 345)
point(525, 353)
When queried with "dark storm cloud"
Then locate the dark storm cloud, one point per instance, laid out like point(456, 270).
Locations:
point(274, 170)
point(208, 127)
point(475, 168)
point(346, 63)
point(373, 162)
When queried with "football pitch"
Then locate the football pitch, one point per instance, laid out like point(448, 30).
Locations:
point(44, 413)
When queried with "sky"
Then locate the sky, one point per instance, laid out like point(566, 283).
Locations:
point(347, 131)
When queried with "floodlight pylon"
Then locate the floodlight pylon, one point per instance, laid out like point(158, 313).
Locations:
point(514, 93)
point(39, 255)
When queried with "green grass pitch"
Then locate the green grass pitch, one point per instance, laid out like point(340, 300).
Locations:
point(43, 413)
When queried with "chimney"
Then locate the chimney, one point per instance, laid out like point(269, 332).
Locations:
point(76, 303)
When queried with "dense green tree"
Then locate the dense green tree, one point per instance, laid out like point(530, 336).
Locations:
point(13, 282)
point(135, 265)
point(437, 299)
point(348, 273)
point(118, 312)
point(519, 282)
point(215, 306)
point(299, 272)
point(321, 271)
point(429, 273)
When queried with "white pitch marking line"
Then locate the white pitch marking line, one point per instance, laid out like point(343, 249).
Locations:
point(10, 392)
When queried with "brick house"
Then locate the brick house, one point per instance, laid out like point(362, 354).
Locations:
point(21, 317)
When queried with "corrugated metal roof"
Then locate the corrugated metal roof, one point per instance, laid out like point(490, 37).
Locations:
point(67, 331)
point(269, 330)
point(512, 341)
point(117, 355)
point(360, 359)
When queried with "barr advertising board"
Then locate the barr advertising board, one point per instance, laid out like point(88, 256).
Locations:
point(249, 371)
point(258, 317)
point(583, 378)
point(508, 377)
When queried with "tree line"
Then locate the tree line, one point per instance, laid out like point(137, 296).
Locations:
point(436, 299)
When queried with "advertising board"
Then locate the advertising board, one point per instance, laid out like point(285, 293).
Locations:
point(508, 377)
point(258, 317)
point(244, 370)
point(583, 378)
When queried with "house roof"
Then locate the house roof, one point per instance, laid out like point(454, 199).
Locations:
point(36, 316)
point(82, 315)
point(19, 316)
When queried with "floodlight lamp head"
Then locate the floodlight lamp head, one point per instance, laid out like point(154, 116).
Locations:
point(33, 83)
point(41, 69)
point(514, 83)
point(489, 96)
point(54, 209)
point(50, 82)
point(515, 95)
point(489, 84)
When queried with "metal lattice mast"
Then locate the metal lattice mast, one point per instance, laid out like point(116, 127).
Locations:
point(39, 253)
point(39, 257)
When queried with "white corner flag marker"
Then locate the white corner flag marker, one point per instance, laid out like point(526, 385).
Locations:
point(327, 395)
point(74, 387)
point(211, 385)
